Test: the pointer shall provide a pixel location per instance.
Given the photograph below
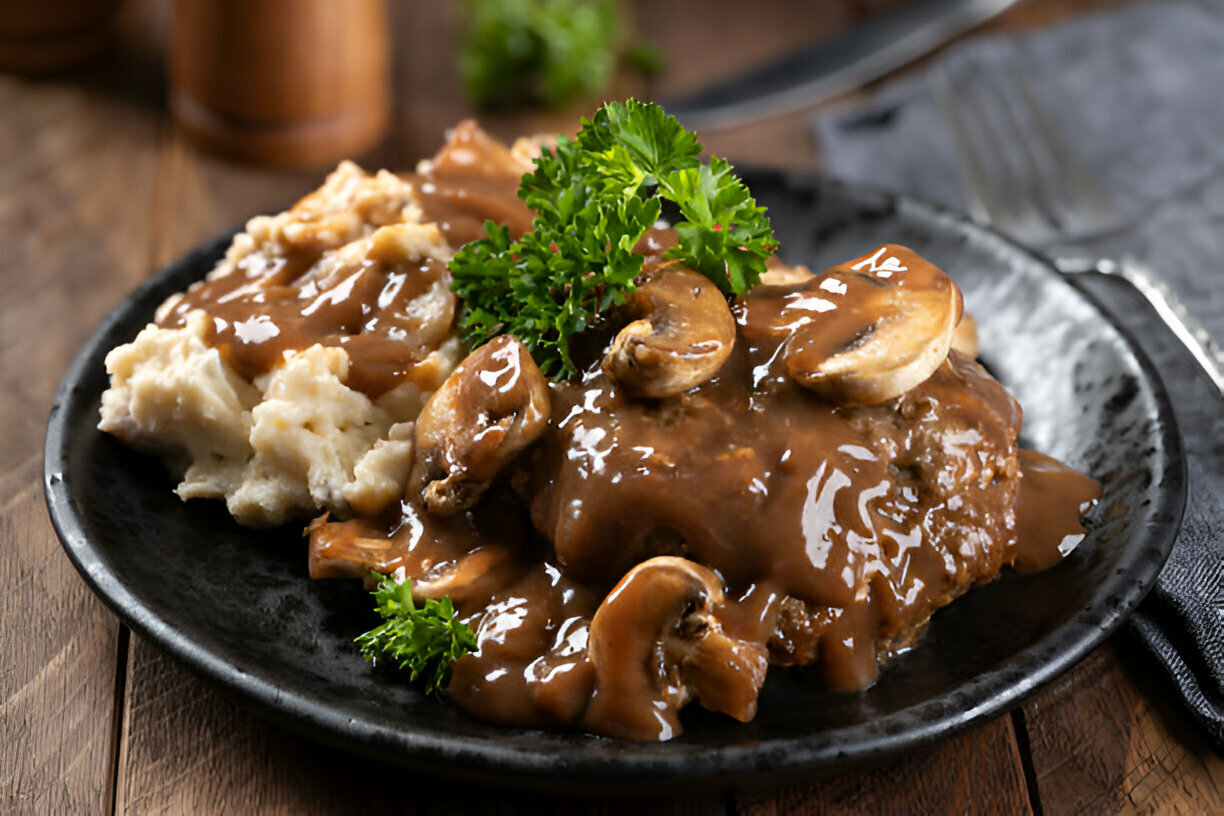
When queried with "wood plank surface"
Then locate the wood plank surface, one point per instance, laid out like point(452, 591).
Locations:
point(76, 170)
point(1107, 738)
point(97, 191)
point(192, 750)
point(957, 775)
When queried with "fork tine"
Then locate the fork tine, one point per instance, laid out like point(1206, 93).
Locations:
point(980, 195)
point(1086, 207)
point(1084, 211)
point(1038, 178)
point(1012, 161)
point(997, 192)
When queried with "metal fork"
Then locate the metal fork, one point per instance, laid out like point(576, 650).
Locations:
point(1020, 177)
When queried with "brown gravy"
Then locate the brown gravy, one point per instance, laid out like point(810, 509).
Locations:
point(836, 531)
point(272, 304)
point(1052, 499)
point(827, 534)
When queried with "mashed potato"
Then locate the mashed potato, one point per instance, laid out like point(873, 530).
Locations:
point(298, 438)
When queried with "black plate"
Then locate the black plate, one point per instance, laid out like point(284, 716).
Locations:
point(236, 605)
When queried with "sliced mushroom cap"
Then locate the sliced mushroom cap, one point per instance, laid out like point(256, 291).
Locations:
point(493, 405)
point(471, 580)
point(779, 273)
point(349, 549)
point(682, 334)
point(890, 325)
point(467, 556)
point(656, 643)
point(965, 338)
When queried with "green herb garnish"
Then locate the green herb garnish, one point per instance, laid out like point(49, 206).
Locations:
point(421, 640)
point(594, 198)
point(547, 51)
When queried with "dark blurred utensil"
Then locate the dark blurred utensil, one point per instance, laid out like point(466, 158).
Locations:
point(834, 66)
point(1020, 176)
point(50, 35)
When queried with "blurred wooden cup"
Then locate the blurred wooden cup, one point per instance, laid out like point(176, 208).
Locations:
point(280, 82)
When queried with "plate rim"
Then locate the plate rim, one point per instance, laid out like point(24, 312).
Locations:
point(487, 760)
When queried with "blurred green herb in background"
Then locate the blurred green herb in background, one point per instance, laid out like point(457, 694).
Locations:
point(548, 52)
point(646, 58)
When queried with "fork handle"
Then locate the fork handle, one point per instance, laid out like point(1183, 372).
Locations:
point(1171, 311)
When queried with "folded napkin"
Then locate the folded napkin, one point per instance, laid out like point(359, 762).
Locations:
point(1136, 91)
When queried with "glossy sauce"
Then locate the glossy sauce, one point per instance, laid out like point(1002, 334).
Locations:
point(832, 532)
point(387, 314)
point(836, 530)
point(1053, 498)
point(854, 509)
point(473, 179)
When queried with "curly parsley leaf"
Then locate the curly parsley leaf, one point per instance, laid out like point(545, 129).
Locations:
point(725, 235)
point(594, 197)
point(651, 140)
point(420, 640)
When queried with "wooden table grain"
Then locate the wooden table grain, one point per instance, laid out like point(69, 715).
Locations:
point(97, 190)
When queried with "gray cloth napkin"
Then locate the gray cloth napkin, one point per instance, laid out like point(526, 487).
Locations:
point(1139, 92)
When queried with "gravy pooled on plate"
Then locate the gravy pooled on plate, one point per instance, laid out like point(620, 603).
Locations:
point(800, 476)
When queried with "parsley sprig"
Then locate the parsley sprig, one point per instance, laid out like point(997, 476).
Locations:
point(594, 197)
point(420, 640)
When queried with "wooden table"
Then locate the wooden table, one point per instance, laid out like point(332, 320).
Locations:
point(97, 191)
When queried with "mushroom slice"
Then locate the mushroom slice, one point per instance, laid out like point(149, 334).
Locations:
point(656, 642)
point(349, 549)
point(492, 406)
point(779, 273)
point(891, 324)
point(470, 581)
point(682, 333)
point(965, 338)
